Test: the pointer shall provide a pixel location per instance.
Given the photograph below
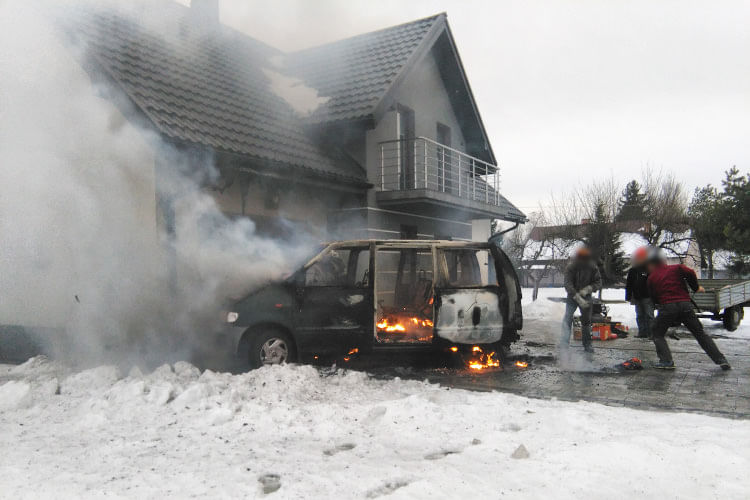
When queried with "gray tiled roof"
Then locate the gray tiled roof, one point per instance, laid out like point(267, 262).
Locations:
point(210, 87)
point(355, 73)
point(208, 90)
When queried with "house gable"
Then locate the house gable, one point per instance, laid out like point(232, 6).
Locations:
point(360, 75)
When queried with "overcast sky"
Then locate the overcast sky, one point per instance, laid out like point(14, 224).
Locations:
point(571, 89)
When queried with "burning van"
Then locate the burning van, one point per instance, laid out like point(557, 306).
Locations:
point(365, 295)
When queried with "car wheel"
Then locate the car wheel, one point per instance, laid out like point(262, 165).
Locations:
point(732, 318)
point(271, 347)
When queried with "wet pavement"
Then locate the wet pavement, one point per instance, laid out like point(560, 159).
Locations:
point(697, 385)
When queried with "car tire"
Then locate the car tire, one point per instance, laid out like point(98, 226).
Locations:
point(270, 346)
point(732, 318)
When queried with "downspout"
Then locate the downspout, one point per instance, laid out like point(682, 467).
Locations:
point(498, 236)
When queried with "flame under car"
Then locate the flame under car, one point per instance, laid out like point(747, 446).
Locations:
point(366, 295)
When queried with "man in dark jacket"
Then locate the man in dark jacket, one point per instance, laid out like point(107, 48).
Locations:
point(667, 287)
point(636, 292)
point(582, 279)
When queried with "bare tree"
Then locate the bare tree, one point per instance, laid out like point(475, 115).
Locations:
point(537, 249)
point(666, 221)
point(588, 215)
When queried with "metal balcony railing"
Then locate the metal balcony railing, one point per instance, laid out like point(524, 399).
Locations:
point(422, 163)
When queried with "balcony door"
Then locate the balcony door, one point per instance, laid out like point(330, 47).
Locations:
point(444, 156)
point(406, 134)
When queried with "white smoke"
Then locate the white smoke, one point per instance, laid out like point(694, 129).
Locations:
point(82, 246)
point(303, 99)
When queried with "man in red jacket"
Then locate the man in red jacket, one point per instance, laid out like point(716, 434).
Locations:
point(667, 286)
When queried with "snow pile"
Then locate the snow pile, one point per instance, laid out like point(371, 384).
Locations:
point(543, 308)
point(177, 432)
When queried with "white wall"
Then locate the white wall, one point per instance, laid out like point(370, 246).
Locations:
point(422, 91)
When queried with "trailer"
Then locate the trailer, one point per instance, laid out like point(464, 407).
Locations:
point(723, 300)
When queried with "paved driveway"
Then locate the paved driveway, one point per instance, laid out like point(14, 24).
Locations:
point(697, 385)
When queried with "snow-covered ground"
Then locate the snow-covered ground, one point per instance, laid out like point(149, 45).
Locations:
point(178, 432)
point(545, 309)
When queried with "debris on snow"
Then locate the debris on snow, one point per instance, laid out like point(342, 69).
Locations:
point(270, 483)
point(342, 447)
point(521, 452)
point(386, 489)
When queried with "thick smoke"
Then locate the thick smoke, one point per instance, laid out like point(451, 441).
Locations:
point(84, 249)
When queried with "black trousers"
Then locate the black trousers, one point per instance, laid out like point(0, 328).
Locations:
point(681, 313)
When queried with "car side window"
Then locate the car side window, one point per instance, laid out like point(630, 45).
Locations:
point(469, 267)
point(330, 270)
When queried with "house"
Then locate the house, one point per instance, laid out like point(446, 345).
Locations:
point(374, 136)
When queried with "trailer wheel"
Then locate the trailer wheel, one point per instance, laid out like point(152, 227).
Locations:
point(732, 318)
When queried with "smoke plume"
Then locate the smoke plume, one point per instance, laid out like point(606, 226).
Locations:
point(85, 251)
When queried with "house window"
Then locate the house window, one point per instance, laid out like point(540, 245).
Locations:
point(444, 159)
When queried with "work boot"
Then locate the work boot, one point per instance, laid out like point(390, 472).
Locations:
point(724, 364)
point(588, 348)
point(664, 365)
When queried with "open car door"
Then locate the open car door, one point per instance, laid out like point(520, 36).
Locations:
point(478, 297)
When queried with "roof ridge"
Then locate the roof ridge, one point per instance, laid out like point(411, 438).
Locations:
point(368, 33)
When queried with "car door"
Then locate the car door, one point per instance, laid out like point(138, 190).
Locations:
point(479, 297)
point(334, 297)
point(470, 305)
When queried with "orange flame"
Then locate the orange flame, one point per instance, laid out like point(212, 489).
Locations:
point(348, 355)
point(483, 360)
point(385, 325)
point(522, 364)
point(396, 327)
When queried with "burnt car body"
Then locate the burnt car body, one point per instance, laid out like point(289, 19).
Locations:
point(364, 295)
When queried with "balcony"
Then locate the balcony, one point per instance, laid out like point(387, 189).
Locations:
point(428, 174)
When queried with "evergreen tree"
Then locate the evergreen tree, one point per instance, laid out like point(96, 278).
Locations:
point(737, 227)
point(632, 203)
point(708, 216)
point(603, 239)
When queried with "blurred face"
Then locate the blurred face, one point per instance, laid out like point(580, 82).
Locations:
point(640, 257)
point(583, 254)
point(650, 266)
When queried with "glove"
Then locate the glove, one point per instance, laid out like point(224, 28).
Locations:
point(581, 301)
point(585, 291)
